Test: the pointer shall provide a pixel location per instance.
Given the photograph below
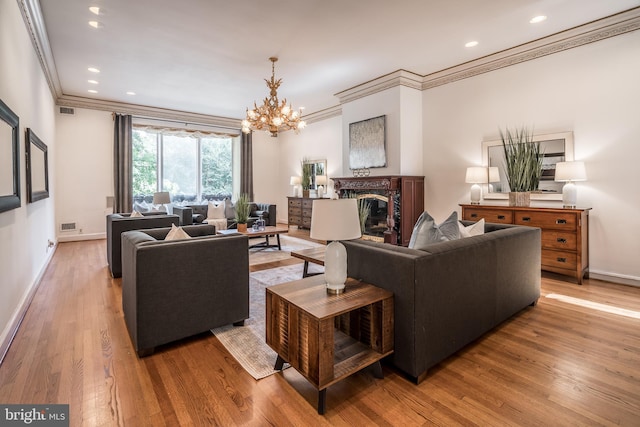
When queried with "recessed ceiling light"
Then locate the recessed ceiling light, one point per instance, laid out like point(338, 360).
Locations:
point(471, 44)
point(537, 19)
point(95, 10)
point(131, 93)
point(93, 82)
point(93, 70)
point(92, 91)
point(96, 24)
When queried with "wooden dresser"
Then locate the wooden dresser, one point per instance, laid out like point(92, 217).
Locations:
point(300, 211)
point(565, 233)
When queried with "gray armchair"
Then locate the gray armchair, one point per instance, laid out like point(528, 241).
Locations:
point(121, 222)
point(175, 289)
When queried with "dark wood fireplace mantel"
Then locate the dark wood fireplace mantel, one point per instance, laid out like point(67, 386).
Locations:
point(405, 200)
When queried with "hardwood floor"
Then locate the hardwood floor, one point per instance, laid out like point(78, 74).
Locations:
point(558, 363)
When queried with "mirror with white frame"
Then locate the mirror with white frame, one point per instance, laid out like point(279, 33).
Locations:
point(556, 147)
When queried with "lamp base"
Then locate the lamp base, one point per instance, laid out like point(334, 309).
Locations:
point(335, 290)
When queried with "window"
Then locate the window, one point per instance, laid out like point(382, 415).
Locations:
point(192, 167)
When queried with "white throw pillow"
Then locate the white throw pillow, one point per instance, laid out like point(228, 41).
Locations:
point(141, 207)
point(472, 230)
point(216, 210)
point(229, 209)
point(176, 233)
point(135, 214)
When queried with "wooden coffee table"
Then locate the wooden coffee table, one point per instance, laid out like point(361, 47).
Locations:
point(314, 255)
point(268, 231)
point(329, 337)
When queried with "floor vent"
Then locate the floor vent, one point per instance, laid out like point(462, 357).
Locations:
point(67, 110)
point(68, 226)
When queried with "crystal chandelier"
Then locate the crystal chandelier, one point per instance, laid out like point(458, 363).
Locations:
point(272, 115)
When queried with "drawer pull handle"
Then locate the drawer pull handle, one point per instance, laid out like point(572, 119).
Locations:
point(526, 218)
point(500, 216)
point(474, 215)
point(561, 221)
point(559, 259)
point(561, 240)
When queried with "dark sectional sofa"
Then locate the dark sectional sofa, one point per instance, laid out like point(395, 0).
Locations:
point(451, 293)
point(195, 214)
point(175, 289)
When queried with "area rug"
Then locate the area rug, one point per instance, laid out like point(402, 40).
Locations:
point(287, 243)
point(247, 343)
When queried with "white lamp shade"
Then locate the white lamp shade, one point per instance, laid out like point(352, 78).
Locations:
point(335, 220)
point(161, 198)
point(476, 175)
point(321, 180)
point(494, 174)
point(570, 171)
point(295, 180)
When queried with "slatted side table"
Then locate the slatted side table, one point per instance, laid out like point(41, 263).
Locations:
point(329, 337)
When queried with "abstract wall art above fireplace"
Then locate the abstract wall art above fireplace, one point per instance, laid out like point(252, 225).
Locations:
point(367, 144)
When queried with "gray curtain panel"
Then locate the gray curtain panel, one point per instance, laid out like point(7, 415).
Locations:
point(122, 164)
point(246, 165)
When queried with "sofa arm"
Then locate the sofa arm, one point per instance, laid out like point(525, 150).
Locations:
point(184, 213)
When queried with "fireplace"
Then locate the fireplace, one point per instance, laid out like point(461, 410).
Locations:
point(394, 204)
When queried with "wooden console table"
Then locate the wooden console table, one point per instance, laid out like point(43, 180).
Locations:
point(565, 233)
point(329, 337)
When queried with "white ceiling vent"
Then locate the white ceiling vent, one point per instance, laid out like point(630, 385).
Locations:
point(67, 110)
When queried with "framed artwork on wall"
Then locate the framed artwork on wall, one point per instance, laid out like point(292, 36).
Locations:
point(367, 144)
point(37, 168)
point(9, 159)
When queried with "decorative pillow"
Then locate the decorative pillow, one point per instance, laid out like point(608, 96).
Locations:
point(471, 230)
point(229, 209)
point(426, 231)
point(216, 210)
point(176, 233)
point(135, 214)
point(141, 207)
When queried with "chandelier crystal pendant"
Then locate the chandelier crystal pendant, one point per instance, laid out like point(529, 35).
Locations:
point(273, 116)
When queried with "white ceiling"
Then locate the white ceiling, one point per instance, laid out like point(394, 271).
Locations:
point(211, 56)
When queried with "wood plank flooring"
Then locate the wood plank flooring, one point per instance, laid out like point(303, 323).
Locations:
point(554, 364)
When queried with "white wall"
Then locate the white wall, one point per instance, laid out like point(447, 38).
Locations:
point(85, 172)
point(593, 91)
point(25, 231)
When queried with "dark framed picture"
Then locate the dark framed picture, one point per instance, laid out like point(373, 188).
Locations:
point(367, 144)
point(9, 159)
point(37, 168)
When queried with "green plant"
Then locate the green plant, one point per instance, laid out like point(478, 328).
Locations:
point(306, 174)
point(523, 160)
point(242, 209)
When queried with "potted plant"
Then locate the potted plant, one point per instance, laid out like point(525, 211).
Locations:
point(306, 177)
point(523, 165)
point(242, 212)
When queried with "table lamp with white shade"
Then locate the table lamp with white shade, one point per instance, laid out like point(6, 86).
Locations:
point(494, 176)
point(321, 181)
point(161, 198)
point(295, 181)
point(334, 220)
point(569, 172)
point(476, 175)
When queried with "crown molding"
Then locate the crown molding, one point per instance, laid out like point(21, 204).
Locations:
point(325, 114)
point(32, 16)
point(388, 81)
point(601, 29)
point(147, 112)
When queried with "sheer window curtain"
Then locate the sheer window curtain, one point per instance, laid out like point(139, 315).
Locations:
point(122, 163)
point(246, 164)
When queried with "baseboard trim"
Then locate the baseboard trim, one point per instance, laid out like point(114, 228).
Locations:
point(14, 324)
point(615, 278)
point(81, 237)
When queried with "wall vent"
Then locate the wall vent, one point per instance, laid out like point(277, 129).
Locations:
point(68, 226)
point(67, 110)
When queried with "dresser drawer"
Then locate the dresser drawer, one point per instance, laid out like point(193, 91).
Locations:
point(307, 203)
point(306, 222)
point(559, 259)
point(295, 220)
point(490, 215)
point(295, 203)
point(547, 220)
point(295, 211)
point(562, 240)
